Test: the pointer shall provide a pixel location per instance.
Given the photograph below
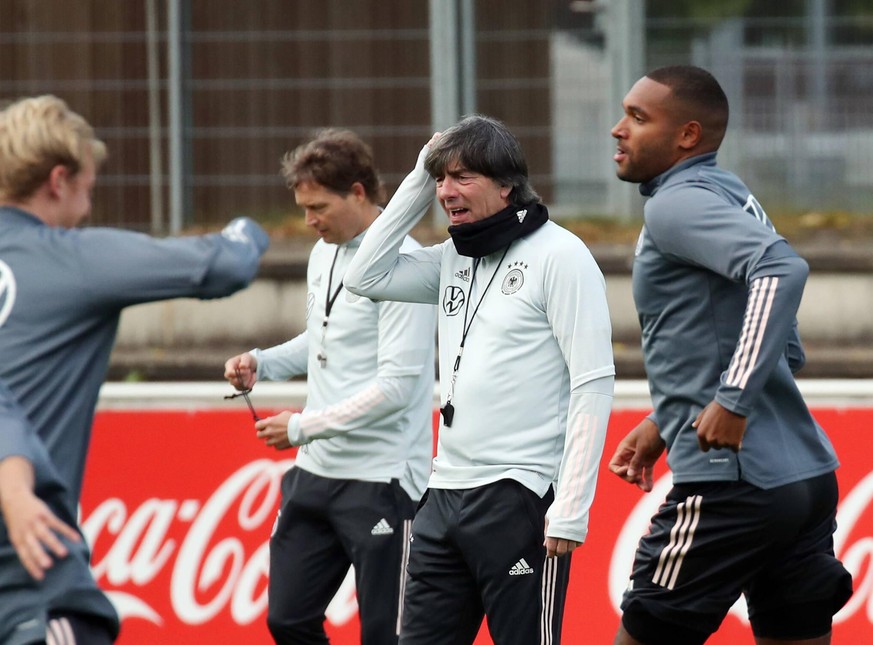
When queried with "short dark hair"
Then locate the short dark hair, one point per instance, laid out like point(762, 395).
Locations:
point(483, 145)
point(335, 159)
point(699, 91)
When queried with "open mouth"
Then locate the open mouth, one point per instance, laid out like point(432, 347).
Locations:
point(456, 214)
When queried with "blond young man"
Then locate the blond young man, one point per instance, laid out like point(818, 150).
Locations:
point(63, 290)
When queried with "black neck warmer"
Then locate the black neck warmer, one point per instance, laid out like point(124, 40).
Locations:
point(484, 237)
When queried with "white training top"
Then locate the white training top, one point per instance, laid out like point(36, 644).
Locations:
point(369, 409)
point(533, 391)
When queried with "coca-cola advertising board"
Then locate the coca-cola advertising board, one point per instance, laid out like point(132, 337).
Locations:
point(179, 504)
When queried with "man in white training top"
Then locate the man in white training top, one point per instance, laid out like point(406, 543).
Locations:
point(527, 378)
point(366, 433)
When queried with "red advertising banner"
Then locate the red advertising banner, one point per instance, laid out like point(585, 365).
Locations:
point(179, 505)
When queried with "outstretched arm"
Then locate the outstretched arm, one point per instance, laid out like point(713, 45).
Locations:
point(120, 268)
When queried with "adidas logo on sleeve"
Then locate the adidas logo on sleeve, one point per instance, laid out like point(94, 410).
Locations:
point(520, 568)
point(382, 528)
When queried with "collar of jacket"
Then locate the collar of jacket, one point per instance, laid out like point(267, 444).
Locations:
point(484, 237)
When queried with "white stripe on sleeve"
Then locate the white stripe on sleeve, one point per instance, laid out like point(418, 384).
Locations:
point(758, 310)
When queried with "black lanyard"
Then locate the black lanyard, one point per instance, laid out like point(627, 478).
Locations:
point(448, 410)
point(328, 305)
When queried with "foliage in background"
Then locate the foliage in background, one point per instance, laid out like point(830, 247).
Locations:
point(714, 10)
point(826, 227)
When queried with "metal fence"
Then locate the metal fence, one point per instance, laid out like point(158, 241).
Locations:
point(199, 99)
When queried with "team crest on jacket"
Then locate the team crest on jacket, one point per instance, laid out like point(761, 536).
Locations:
point(453, 300)
point(513, 280)
point(7, 291)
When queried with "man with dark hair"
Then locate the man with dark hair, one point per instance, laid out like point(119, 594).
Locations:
point(366, 433)
point(753, 505)
point(527, 382)
point(62, 291)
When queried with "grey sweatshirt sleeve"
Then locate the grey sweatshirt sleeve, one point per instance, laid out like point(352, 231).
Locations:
point(14, 429)
point(698, 226)
point(776, 285)
point(19, 439)
point(120, 268)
